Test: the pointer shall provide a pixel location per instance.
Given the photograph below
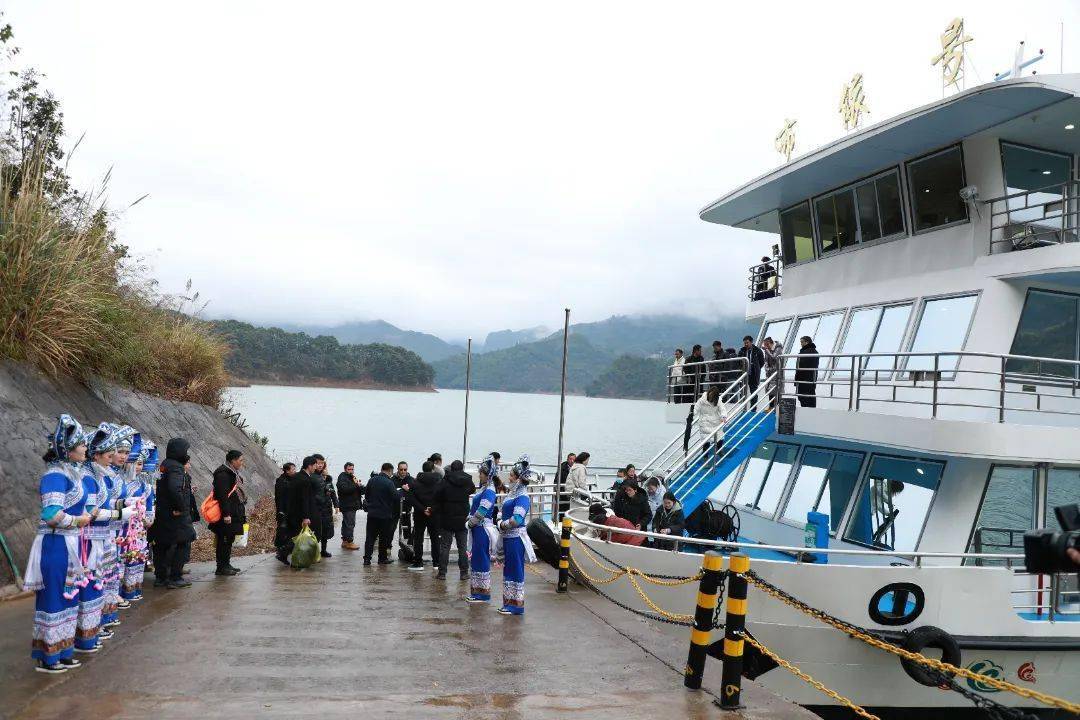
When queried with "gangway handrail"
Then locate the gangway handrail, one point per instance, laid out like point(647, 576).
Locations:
point(798, 552)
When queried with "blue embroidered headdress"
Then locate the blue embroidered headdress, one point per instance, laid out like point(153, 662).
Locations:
point(68, 435)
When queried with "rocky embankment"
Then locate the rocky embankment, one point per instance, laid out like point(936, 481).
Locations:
point(29, 405)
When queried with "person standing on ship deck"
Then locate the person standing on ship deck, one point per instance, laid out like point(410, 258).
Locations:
point(517, 548)
point(755, 360)
point(806, 372)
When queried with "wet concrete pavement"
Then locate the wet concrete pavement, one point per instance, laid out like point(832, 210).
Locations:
point(341, 639)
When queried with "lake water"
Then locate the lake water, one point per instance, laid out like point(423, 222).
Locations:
point(370, 427)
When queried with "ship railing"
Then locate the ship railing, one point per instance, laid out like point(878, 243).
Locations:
point(796, 553)
point(765, 279)
point(675, 456)
point(961, 385)
point(686, 382)
point(1042, 595)
point(1044, 216)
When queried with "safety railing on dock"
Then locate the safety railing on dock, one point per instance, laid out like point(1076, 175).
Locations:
point(977, 386)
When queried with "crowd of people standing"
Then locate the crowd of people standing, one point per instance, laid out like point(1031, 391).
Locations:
point(446, 506)
point(107, 507)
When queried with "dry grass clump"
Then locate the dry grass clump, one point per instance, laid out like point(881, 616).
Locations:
point(69, 306)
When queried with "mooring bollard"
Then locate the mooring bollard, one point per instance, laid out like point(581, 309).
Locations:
point(711, 569)
point(734, 627)
point(564, 555)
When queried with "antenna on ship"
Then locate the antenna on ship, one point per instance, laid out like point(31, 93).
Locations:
point(1019, 63)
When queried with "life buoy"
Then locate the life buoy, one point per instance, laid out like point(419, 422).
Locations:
point(929, 636)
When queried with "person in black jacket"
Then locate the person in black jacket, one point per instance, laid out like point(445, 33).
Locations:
point(401, 479)
point(755, 360)
point(229, 492)
point(421, 498)
point(303, 509)
point(806, 368)
point(173, 529)
point(694, 373)
point(383, 502)
point(281, 503)
point(669, 520)
point(350, 493)
point(452, 510)
point(632, 504)
point(327, 501)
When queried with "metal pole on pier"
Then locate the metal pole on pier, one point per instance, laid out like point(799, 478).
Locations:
point(468, 383)
point(562, 421)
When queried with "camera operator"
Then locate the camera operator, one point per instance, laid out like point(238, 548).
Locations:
point(1050, 551)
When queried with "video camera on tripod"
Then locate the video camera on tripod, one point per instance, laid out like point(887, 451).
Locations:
point(1046, 551)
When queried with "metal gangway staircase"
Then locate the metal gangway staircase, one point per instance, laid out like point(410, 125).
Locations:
point(693, 467)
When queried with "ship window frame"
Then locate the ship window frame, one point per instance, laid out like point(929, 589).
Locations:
point(735, 487)
point(1002, 142)
point(814, 245)
point(841, 522)
point(772, 321)
point(864, 478)
point(1076, 334)
point(911, 210)
point(913, 330)
point(835, 371)
point(1034, 470)
point(852, 188)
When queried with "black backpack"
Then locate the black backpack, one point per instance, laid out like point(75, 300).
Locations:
point(715, 523)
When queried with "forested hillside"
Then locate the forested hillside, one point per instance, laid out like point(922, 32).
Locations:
point(273, 355)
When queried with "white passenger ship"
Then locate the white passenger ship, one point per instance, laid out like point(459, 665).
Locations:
point(934, 260)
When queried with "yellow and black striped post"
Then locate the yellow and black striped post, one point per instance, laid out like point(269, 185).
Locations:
point(711, 570)
point(564, 555)
point(734, 627)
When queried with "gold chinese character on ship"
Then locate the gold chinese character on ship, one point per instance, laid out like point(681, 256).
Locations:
point(853, 103)
point(785, 139)
point(951, 57)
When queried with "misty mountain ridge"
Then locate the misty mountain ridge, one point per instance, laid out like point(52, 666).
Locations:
point(366, 332)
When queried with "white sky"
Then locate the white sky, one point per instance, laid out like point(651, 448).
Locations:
point(464, 167)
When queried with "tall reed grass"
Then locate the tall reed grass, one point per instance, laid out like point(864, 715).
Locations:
point(70, 306)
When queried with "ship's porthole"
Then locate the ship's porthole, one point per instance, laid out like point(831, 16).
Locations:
point(897, 604)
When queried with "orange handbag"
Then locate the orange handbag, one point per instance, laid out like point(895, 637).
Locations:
point(211, 508)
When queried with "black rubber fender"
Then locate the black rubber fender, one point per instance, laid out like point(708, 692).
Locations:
point(929, 636)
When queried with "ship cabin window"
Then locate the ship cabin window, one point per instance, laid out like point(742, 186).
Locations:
point(894, 502)
point(878, 329)
point(1043, 176)
point(777, 330)
point(765, 476)
point(824, 482)
point(1010, 508)
point(1047, 329)
point(797, 234)
point(943, 327)
point(869, 210)
point(822, 329)
point(934, 184)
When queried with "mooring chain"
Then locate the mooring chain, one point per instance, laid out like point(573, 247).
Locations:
point(587, 582)
point(945, 670)
point(718, 612)
point(683, 579)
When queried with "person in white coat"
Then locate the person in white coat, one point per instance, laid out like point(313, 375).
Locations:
point(577, 479)
point(710, 414)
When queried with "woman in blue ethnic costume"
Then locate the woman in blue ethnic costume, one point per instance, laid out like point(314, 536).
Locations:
point(140, 486)
point(116, 480)
point(517, 548)
point(102, 550)
point(482, 534)
point(55, 567)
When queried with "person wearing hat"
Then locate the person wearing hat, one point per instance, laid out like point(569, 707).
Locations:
point(140, 488)
point(517, 548)
point(54, 569)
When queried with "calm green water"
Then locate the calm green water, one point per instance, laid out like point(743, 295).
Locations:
point(369, 427)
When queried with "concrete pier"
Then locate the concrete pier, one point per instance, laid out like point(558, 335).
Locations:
point(342, 640)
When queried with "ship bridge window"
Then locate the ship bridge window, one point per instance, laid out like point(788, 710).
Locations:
point(935, 182)
point(1042, 175)
point(822, 329)
point(895, 500)
point(765, 476)
point(1047, 329)
point(943, 327)
point(824, 483)
point(878, 329)
point(869, 210)
point(797, 234)
point(777, 330)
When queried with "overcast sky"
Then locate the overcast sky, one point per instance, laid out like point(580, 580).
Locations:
point(460, 167)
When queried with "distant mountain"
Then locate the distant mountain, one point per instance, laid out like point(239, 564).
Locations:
point(529, 367)
point(272, 355)
point(502, 339)
point(631, 377)
point(622, 356)
point(427, 346)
